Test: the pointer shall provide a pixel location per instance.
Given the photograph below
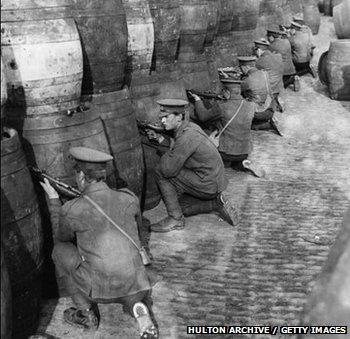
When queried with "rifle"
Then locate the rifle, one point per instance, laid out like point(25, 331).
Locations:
point(60, 186)
point(205, 94)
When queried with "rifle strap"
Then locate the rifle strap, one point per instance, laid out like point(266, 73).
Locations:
point(98, 207)
point(228, 123)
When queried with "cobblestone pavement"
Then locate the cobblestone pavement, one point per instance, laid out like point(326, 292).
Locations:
point(258, 273)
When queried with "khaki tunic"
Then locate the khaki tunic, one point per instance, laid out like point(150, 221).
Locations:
point(272, 63)
point(301, 47)
point(283, 47)
point(111, 266)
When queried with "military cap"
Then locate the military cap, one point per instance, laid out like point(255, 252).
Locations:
point(295, 24)
point(230, 81)
point(85, 154)
point(298, 19)
point(262, 42)
point(172, 106)
point(274, 30)
point(246, 60)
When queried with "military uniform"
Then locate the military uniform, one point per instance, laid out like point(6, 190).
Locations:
point(283, 47)
point(302, 50)
point(191, 167)
point(94, 261)
point(272, 63)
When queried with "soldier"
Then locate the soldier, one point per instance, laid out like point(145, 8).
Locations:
point(282, 46)
point(95, 262)
point(232, 119)
point(304, 28)
point(302, 50)
point(255, 87)
point(272, 63)
point(191, 170)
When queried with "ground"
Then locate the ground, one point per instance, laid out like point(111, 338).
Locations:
point(261, 271)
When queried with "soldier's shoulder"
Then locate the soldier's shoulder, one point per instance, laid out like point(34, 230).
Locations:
point(127, 195)
point(72, 206)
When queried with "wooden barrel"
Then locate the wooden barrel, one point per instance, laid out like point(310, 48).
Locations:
point(226, 14)
point(338, 69)
point(295, 6)
point(166, 21)
point(341, 19)
point(245, 16)
point(103, 33)
point(140, 36)
point(22, 235)
point(46, 141)
point(334, 3)
point(322, 68)
point(213, 21)
point(312, 17)
point(6, 300)
point(118, 117)
point(42, 55)
point(270, 14)
point(167, 83)
point(193, 28)
point(151, 194)
point(3, 91)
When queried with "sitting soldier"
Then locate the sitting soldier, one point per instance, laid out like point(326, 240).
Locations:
point(95, 261)
point(232, 119)
point(302, 50)
point(272, 63)
point(283, 47)
point(255, 87)
point(191, 174)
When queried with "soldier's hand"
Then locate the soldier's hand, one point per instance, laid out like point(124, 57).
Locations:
point(153, 135)
point(50, 191)
point(214, 138)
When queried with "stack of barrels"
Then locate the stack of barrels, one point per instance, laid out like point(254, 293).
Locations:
point(341, 19)
point(334, 64)
point(311, 15)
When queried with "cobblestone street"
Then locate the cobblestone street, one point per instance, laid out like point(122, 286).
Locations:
point(261, 271)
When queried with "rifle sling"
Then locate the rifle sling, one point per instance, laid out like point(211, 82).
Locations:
point(228, 123)
point(93, 203)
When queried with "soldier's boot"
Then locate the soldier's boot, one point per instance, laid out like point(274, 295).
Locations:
point(275, 127)
point(296, 83)
point(175, 219)
point(226, 210)
point(85, 319)
point(252, 168)
point(146, 327)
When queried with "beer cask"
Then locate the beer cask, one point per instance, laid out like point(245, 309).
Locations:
point(22, 235)
point(193, 28)
point(226, 15)
point(151, 196)
point(140, 36)
point(213, 21)
point(42, 56)
point(338, 69)
point(312, 16)
point(119, 122)
point(166, 21)
point(103, 33)
point(6, 300)
point(245, 15)
point(3, 91)
point(341, 19)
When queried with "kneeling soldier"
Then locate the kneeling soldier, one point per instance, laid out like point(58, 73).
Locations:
point(191, 174)
point(95, 262)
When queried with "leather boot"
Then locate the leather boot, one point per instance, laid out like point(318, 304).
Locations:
point(226, 210)
point(168, 224)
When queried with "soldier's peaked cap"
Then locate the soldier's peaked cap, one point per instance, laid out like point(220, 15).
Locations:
point(172, 106)
point(298, 18)
point(246, 59)
point(262, 42)
point(274, 30)
point(295, 24)
point(89, 155)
